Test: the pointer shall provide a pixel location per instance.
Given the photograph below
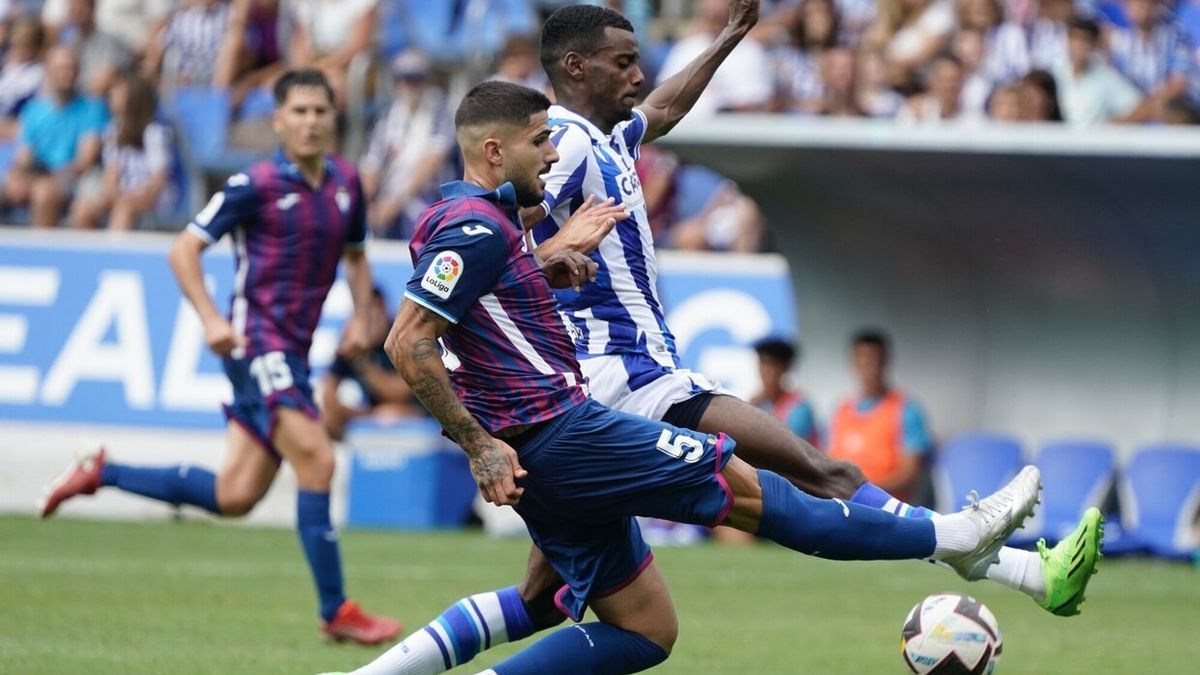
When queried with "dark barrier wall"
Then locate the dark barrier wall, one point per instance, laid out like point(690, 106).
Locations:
point(1045, 295)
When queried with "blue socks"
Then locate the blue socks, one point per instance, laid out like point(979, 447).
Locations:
point(585, 649)
point(171, 484)
point(321, 548)
point(877, 498)
point(457, 635)
point(837, 530)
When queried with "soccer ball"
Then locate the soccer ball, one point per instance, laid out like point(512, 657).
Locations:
point(951, 634)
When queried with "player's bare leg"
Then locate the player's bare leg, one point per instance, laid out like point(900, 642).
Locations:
point(537, 589)
point(246, 475)
point(636, 631)
point(767, 443)
point(303, 442)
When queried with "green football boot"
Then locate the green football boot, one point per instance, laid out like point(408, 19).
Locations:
point(1069, 566)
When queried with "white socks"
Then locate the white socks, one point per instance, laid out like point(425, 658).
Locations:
point(1020, 570)
point(954, 533)
point(418, 654)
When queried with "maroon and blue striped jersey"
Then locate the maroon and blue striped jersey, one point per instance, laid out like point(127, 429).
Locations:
point(287, 239)
point(510, 358)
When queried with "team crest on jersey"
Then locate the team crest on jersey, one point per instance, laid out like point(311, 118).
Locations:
point(443, 275)
point(343, 200)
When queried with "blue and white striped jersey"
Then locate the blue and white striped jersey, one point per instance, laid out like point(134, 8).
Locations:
point(620, 313)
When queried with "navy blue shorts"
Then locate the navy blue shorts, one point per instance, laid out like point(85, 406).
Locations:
point(263, 383)
point(591, 471)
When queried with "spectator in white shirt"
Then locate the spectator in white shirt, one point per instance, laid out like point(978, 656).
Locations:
point(875, 96)
point(967, 45)
point(136, 163)
point(132, 22)
point(1090, 91)
point(941, 103)
point(1048, 33)
point(1153, 54)
point(408, 150)
point(742, 83)
point(194, 33)
point(102, 57)
point(1005, 55)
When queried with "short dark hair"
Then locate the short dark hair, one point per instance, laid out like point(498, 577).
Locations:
point(777, 349)
point(1085, 25)
point(577, 28)
point(495, 101)
point(876, 337)
point(305, 77)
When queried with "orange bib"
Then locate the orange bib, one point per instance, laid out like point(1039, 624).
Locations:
point(872, 440)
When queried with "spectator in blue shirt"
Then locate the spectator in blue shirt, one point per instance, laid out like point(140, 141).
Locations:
point(59, 141)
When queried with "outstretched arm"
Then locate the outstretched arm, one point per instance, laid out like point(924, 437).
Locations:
point(673, 99)
point(412, 346)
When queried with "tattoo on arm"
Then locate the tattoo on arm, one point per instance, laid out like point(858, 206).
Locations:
point(421, 366)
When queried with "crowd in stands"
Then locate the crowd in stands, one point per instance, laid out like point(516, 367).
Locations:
point(110, 109)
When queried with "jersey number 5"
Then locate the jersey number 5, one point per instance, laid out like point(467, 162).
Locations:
point(272, 372)
point(685, 447)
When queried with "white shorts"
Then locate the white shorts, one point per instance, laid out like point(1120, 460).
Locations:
point(608, 381)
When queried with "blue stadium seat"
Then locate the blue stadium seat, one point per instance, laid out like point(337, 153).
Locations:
point(1160, 496)
point(259, 103)
point(393, 29)
point(1076, 475)
point(186, 189)
point(695, 187)
point(430, 27)
point(202, 116)
point(454, 30)
point(1188, 16)
point(981, 462)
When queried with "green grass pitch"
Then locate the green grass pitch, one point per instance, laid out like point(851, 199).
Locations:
point(202, 597)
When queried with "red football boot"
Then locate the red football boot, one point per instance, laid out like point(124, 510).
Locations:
point(81, 478)
point(352, 623)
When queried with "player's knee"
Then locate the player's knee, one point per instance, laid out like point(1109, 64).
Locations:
point(314, 470)
point(237, 504)
point(664, 633)
point(540, 606)
point(313, 461)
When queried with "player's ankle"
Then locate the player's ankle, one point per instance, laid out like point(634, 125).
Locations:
point(955, 534)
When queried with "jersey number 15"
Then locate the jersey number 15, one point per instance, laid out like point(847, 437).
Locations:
point(272, 372)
